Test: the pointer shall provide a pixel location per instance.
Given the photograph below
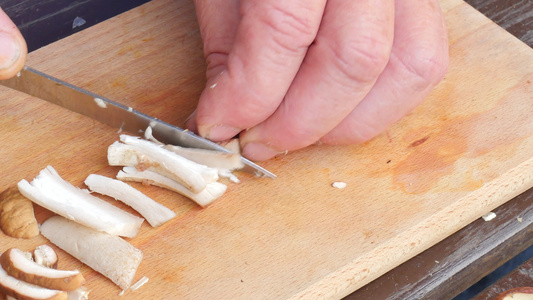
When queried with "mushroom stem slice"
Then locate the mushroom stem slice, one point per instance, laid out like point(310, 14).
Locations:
point(107, 254)
point(212, 191)
point(19, 289)
point(154, 212)
point(50, 191)
point(210, 158)
point(16, 264)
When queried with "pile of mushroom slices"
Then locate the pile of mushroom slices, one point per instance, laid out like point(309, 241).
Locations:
point(26, 275)
point(90, 228)
point(192, 172)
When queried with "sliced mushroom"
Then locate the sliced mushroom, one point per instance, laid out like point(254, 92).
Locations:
point(144, 154)
point(154, 212)
point(45, 256)
point(225, 163)
point(19, 289)
point(16, 264)
point(50, 191)
point(210, 158)
point(107, 254)
point(212, 191)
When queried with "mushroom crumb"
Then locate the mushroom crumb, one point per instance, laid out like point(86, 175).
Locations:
point(100, 102)
point(339, 184)
point(489, 216)
point(139, 283)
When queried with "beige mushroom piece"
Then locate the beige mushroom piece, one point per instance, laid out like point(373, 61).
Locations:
point(16, 264)
point(17, 218)
point(155, 213)
point(107, 254)
point(212, 191)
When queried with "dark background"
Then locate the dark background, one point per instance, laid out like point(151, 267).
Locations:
point(46, 21)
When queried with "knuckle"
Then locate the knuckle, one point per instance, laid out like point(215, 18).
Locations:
point(427, 64)
point(362, 59)
point(290, 29)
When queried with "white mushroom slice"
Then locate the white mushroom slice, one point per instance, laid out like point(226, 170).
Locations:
point(232, 145)
point(16, 264)
point(212, 191)
point(19, 289)
point(107, 254)
point(229, 175)
point(50, 191)
point(224, 162)
point(176, 164)
point(144, 154)
point(79, 294)
point(148, 135)
point(210, 158)
point(155, 213)
point(45, 256)
point(28, 255)
point(139, 283)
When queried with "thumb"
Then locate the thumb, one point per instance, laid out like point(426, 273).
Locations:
point(13, 48)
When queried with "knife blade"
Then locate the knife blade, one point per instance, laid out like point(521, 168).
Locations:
point(45, 87)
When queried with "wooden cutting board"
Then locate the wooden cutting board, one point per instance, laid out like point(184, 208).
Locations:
point(463, 152)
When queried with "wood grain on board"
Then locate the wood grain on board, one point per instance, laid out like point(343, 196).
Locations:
point(463, 152)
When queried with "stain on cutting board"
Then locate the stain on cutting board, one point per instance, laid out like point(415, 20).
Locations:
point(434, 155)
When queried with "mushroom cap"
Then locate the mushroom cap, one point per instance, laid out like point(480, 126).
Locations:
point(16, 264)
point(19, 289)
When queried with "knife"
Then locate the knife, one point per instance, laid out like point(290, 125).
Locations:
point(43, 86)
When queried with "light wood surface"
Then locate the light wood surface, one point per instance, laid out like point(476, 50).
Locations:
point(463, 152)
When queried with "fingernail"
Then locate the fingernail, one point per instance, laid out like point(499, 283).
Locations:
point(258, 151)
point(9, 50)
point(221, 132)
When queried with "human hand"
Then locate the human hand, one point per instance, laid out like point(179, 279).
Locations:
point(288, 74)
point(13, 48)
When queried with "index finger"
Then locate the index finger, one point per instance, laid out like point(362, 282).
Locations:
point(271, 41)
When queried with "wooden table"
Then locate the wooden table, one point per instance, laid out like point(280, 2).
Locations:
point(443, 270)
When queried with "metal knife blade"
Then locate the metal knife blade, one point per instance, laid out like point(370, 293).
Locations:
point(43, 86)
